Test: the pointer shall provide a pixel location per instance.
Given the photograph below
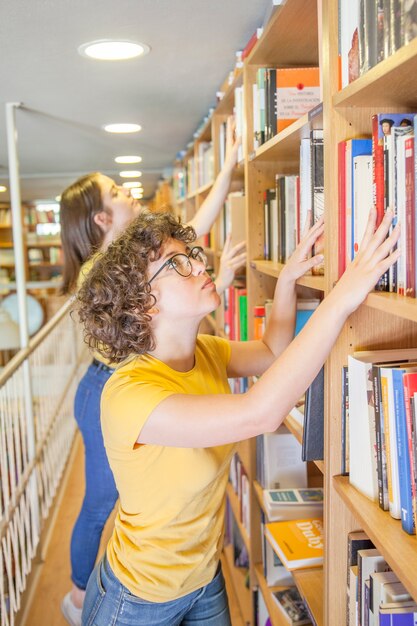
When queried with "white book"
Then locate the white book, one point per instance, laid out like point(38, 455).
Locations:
point(274, 571)
point(362, 437)
point(287, 504)
point(368, 561)
point(349, 21)
point(363, 200)
point(283, 467)
point(305, 181)
point(353, 595)
point(377, 580)
point(290, 216)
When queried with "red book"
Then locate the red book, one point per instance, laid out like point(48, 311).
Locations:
point(410, 256)
point(342, 206)
point(251, 43)
point(378, 168)
point(410, 388)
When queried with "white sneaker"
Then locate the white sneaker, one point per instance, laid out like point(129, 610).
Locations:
point(71, 613)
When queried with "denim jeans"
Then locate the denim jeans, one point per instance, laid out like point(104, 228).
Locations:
point(100, 489)
point(109, 603)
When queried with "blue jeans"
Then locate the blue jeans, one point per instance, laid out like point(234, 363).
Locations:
point(108, 602)
point(100, 489)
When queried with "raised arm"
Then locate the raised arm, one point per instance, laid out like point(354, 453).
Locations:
point(202, 421)
point(207, 214)
point(232, 258)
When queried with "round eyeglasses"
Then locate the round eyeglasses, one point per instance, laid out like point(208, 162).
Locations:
point(181, 262)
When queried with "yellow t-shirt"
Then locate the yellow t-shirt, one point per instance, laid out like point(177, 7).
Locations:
point(169, 526)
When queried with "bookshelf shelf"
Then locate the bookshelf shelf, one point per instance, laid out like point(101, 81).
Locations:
point(235, 506)
point(398, 547)
point(200, 191)
point(310, 583)
point(285, 146)
point(274, 269)
point(277, 619)
point(385, 85)
point(394, 304)
point(293, 17)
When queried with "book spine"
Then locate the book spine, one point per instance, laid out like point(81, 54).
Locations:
point(407, 520)
point(410, 386)
point(342, 206)
point(379, 435)
point(410, 251)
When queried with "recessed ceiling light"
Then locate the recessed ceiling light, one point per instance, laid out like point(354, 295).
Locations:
point(109, 50)
point(2, 188)
point(58, 198)
point(137, 193)
point(130, 174)
point(122, 128)
point(131, 184)
point(128, 159)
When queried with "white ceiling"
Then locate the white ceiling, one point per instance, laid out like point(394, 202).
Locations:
point(67, 98)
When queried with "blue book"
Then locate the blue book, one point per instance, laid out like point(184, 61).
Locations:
point(398, 619)
point(404, 472)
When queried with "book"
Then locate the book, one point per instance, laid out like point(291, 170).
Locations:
point(317, 190)
point(284, 504)
point(377, 582)
point(403, 455)
point(398, 614)
point(274, 571)
point(313, 431)
point(298, 543)
point(297, 91)
point(357, 540)
point(292, 606)
point(279, 464)
point(369, 561)
point(262, 615)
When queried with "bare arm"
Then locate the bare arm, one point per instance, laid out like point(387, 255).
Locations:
point(202, 421)
point(232, 259)
point(207, 214)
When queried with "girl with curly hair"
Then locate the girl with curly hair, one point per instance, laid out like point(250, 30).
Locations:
point(168, 419)
point(94, 211)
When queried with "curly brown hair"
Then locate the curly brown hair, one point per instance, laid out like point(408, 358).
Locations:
point(115, 298)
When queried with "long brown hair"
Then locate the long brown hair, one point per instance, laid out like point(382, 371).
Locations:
point(81, 236)
point(115, 297)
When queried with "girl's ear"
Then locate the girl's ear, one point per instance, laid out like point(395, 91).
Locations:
point(104, 220)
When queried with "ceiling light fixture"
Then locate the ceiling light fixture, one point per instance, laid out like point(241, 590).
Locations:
point(132, 184)
point(122, 128)
point(128, 159)
point(110, 50)
point(2, 188)
point(137, 193)
point(130, 174)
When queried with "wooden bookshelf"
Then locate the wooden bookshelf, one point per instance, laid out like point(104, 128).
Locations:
point(235, 506)
point(398, 548)
point(310, 584)
point(238, 577)
point(305, 33)
point(277, 619)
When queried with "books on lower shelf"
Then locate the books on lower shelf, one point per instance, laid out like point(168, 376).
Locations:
point(298, 543)
point(285, 504)
point(291, 606)
point(382, 429)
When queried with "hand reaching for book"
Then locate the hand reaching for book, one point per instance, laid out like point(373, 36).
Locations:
point(232, 144)
point(232, 258)
point(300, 261)
point(376, 255)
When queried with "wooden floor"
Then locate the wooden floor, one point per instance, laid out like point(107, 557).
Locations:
point(52, 576)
